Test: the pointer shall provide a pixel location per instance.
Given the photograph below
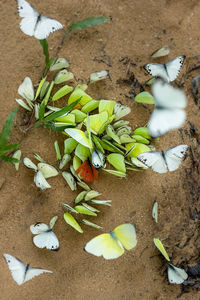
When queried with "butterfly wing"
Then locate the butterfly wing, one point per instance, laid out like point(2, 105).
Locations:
point(176, 275)
point(161, 52)
point(47, 170)
point(95, 173)
point(82, 170)
point(174, 66)
point(39, 228)
point(174, 156)
point(26, 10)
point(155, 160)
point(166, 96)
point(121, 111)
point(98, 159)
point(32, 272)
point(53, 221)
point(26, 89)
point(126, 234)
point(79, 136)
point(157, 70)
point(27, 25)
point(46, 240)
point(104, 245)
point(30, 16)
point(164, 120)
point(161, 248)
point(16, 267)
point(87, 172)
point(45, 26)
point(40, 181)
point(69, 219)
point(90, 173)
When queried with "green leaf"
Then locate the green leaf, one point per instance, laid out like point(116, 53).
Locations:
point(61, 112)
point(8, 148)
point(42, 110)
point(5, 133)
point(145, 97)
point(8, 159)
point(93, 21)
point(51, 125)
point(45, 47)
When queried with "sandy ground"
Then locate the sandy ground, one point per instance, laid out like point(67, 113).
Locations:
point(137, 28)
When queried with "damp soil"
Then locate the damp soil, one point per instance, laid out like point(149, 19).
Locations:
point(122, 46)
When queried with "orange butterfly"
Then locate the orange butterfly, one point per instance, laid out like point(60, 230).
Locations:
point(87, 171)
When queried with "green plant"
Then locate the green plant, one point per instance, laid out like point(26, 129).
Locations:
point(4, 137)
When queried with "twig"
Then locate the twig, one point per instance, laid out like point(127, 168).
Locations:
point(30, 119)
point(63, 39)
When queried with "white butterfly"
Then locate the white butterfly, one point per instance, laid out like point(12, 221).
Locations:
point(98, 159)
point(121, 111)
point(161, 52)
point(45, 237)
point(161, 162)
point(47, 170)
point(26, 89)
point(43, 170)
point(155, 211)
point(34, 24)
point(176, 275)
point(169, 71)
point(168, 113)
point(21, 272)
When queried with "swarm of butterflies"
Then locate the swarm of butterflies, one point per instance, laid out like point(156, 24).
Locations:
point(106, 138)
point(93, 138)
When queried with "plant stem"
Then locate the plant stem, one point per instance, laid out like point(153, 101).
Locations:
point(44, 45)
point(66, 34)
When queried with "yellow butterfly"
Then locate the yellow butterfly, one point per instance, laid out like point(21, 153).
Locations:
point(111, 245)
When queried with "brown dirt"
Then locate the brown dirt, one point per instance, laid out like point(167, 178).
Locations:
point(136, 30)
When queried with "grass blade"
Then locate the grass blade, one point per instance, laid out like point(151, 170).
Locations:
point(5, 149)
point(51, 125)
point(62, 111)
point(45, 48)
point(8, 159)
point(93, 21)
point(5, 133)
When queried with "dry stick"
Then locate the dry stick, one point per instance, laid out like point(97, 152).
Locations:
point(63, 39)
point(184, 76)
point(194, 67)
point(30, 119)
